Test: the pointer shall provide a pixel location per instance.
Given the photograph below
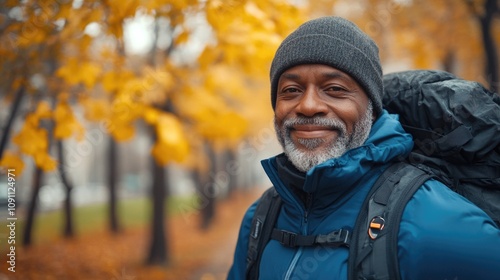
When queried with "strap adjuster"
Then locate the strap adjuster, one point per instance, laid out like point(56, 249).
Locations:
point(288, 238)
point(336, 238)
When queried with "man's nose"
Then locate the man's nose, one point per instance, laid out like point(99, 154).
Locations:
point(311, 103)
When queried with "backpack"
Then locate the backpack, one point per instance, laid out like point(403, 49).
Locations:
point(456, 129)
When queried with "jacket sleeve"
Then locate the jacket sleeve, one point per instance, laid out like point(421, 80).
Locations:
point(238, 268)
point(445, 236)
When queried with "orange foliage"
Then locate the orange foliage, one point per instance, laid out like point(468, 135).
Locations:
point(93, 72)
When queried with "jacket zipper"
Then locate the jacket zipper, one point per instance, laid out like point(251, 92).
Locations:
point(308, 206)
point(305, 212)
point(305, 225)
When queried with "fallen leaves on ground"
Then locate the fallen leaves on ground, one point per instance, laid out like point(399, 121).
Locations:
point(195, 253)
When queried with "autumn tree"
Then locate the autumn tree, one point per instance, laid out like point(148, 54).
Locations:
point(25, 29)
point(486, 14)
point(216, 96)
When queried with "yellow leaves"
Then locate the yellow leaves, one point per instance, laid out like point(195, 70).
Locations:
point(131, 96)
point(197, 102)
point(75, 72)
point(45, 161)
point(253, 10)
point(209, 56)
point(248, 32)
point(182, 38)
point(122, 131)
point(11, 160)
point(123, 113)
point(119, 11)
point(11, 3)
point(121, 126)
point(228, 126)
point(113, 81)
point(151, 115)
point(31, 34)
point(171, 144)
point(64, 12)
point(118, 91)
point(149, 87)
point(220, 13)
point(95, 109)
point(75, 21)
point(89, 73)
point(169, 129)
point(33, 141)
point(123, 9)
point(212, 117)
point(66, 124)
point(43, 110)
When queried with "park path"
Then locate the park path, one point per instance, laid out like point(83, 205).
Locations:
point(230, 214)
point(218, 266)
point(194, 254)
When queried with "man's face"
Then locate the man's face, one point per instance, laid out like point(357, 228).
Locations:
point(321, 112)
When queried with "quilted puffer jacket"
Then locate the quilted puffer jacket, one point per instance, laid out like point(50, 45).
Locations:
point(442, 235)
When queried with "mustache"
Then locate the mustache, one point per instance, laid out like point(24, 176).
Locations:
point(317, 121)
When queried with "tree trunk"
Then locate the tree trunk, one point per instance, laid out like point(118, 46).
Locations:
point(158, 251)
point(68, 215)
point(13, 111)
point(491, 68)
point(208, 191)
point(30, 218)
point(231, 166)
point(37, 185)
point(112, 178)
point(449, 62)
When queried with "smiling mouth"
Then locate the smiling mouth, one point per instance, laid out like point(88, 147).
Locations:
point(312, 131)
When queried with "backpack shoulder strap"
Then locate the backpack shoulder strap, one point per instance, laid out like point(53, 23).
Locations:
point(373, 251)
point(264, 218)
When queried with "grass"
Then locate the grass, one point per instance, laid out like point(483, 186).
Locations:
point(131, 213)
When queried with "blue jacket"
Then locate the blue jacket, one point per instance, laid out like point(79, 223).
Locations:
point(442, 235)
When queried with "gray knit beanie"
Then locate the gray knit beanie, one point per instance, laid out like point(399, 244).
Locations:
point(335, 42)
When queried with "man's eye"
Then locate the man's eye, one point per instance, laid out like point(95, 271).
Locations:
point(290, 90)
point(336, 88)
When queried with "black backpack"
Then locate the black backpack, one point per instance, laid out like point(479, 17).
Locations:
point(456, 129)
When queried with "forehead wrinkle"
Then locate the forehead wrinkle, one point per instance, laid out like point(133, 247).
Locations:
point(290, 76)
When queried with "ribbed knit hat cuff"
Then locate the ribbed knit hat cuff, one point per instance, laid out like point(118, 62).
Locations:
point(334, 52)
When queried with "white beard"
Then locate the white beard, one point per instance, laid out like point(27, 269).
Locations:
point(312, 156)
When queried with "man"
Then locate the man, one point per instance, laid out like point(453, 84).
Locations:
point(326, 88)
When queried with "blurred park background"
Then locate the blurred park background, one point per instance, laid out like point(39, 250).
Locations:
point(134, 128)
